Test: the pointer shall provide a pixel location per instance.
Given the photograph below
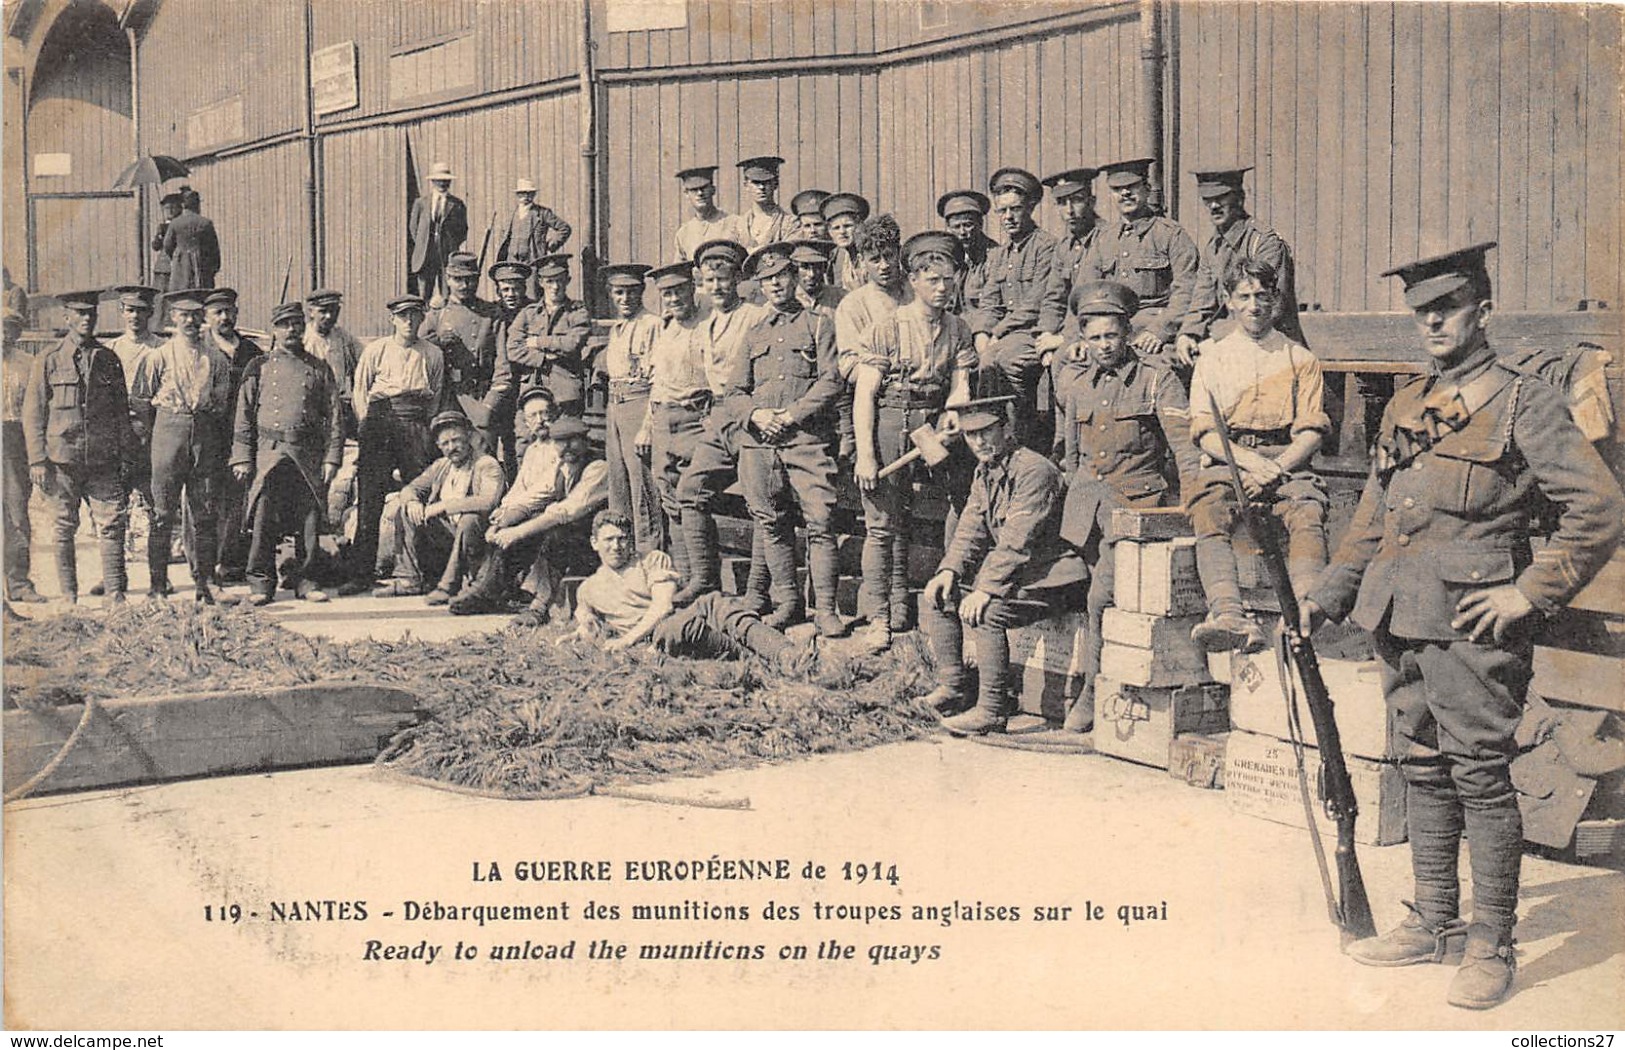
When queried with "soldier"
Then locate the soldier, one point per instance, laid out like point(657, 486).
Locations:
point(533, 231)
point(781, 397)
point(1005, 567)
point(842, 214)
point(1005, 314)
point(963, 212)
point(1124, 421)
point(546, 341)
point(1235, 236)
point(906, 369)
point(1271, 391)
point(1073, 192)
point(183, 390)
point(220, 319)
point(14, 446)
point(1437, 566)
point(812, 259)
point(808, 208)
point(500, 403)
point(627, 363)
point(287, 446)
point(465, 331)
point(764, 222)
point(709, 222)
point(1149, 253)
point(442, 515)
point(399, 386)
point(326, 340)
point(192, 245)
point(135, 306)
point(76, 425)
point(436, 227)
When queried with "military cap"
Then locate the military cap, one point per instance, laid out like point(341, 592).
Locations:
point(135, 295)
point(533, 393)
point(809, 202)
point(721, 248)
point(1018, 179)
point(187, 299)
point(673, 276)
point(462, 264)
point(221, 297)
point(406, 304)
point(286, 312)
point(1122, 173)
point(960, 202)
point(449, 418)
point(324, 297)
point(556, 265)
point(441, 172)
point(971, 422)
point(1217, 182)
point(567, 427)
point(814, 252)
point(627, 274)
point(837, 204)
point(1064, 184)
point(933, 242)
point(510, 271)
point(524, 186)
point(83, 300)
point(761, 169)
point(694, 178)
point(1104, 299)
point(770, 259)
point(1427, 280)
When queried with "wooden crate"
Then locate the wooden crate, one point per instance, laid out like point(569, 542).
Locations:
point(1198, 759)
point(1158, 578)
point(1261, 780)
point(1046, 661)
point(1151, 524)
point(1258, 702)
point(1154, 667)
point(1140, 723)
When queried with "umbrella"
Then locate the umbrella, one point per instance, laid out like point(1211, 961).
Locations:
point(153, 169)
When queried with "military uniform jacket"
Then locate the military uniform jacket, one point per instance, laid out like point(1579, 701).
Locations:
point(1154, 257)
point(289, 408)
point(466, 334)
point(696, 231)
point(1455, 518)
point(1012, 295)
point(194, 251)
point(76, 410)
point(562, 334)
point(788, 363)
point(532, 234)
point(1009, 531)
point(247, 351)
point(1244, 240)
point(1121, 427)
point(1063, 274)
point(972, 281)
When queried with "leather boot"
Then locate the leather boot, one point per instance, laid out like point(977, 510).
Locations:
point(825, 570)
point(978, 721)
point(704, 563)
point(113, 574)
point(1412, 941)
point(1485, 976)
point(1080, 710)
point(945, 699)
point(758, 596)
point(489, 589)
point(67, 571)
point(1226, 629)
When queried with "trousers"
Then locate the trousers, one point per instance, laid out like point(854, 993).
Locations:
point(716, 625)
point(394, 437)
point(285, 507)
point(18, 487)
point(103, 487)
point(188, 456)
point(631, 483)
point(946, 633)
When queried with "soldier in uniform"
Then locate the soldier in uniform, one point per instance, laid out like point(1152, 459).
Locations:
point(326, 340)
point(781, 398)
point(1005, 314)
point(1437, 566)
point(763, 222)
point(963, 212)
point(906, 369)
point(1073, 192)
point(842, 214)
point(533, 231)
point(220, 319)
point(546, 341)
point(465, 330)
point(1005, 567)
point(812, 259)
point(709, 222)
point(76, 425)
point(808, 208)
point(627, 362)
point(14, 445)
point(1235, 236)
point(500, 404)
point(1149, 253)
point(399, 386)
point(287, 445)
point(1125, 419)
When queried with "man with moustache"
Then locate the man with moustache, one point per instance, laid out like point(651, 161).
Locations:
point(1074, 194)
point(533, 231)
point(465, 330)
point(220, 319)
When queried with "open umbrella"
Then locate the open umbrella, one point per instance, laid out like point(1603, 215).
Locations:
point(151, 169)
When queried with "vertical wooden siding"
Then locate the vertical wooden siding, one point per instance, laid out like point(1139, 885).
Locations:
point(84, 244)
point(1381, 132)
point(79, 104)
point(364, 182)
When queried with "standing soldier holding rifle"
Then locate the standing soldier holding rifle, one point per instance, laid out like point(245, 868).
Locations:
point(1437, 565)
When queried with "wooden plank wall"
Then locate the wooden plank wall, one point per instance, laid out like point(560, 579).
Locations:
point(80, 104)
point(63, 229)
point(366, 223)
point(1382, 132)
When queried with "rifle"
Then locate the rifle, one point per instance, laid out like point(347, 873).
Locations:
point(484, 248)
point(1352, 914)
point(287, 275)
point(930, 443)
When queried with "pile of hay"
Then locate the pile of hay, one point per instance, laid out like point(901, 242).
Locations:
point(522, 713)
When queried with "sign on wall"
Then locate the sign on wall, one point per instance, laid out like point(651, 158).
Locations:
point(334, 82)
point(215, 125)
point(626, 16)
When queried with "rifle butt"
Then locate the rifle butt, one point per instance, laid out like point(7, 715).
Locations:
point(1354, 905)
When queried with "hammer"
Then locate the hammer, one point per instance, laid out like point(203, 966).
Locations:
point(930, 443)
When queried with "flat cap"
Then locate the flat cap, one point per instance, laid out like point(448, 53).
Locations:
point(1216, 182)
point(721, 248)
point(971, 422)
point(630, 275)
point(187, 298)
point(1121, 173)
point(567, 427)
point(221, 297)
point(1064, 184)
point(524, 186)
point(403, 304)
point(694, 178)
point(760, 169)
point(509, 271)
point(813, 253)
point(837, 204)
point(933, 242)
point(1018, 179)
point(1427, 280)
point(81, 300)
point(450, 418)
point(556, 265)
point(673, 276)
point(462, 264)
point(135, 295)
point(1104, 299)
point(770, 259)
point(285, 312)
point(961, 202)
point(324, 297)
point(809, 202)
point(533, 393)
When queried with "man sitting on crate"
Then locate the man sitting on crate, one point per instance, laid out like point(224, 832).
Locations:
point(1124, 418)
point(1005, 567)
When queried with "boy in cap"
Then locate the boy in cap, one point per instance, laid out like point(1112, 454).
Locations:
point(14, 446)
point(905, 369)
point(436, 227)
point(1005, 567)
point(842, 214)
point(327, 341)
point(963, 212)
point(442, 514)
point(399, 386)
point(627, 362)
point(1125, 420)
point(1438, 566)
point(220, 321)
point(287, 445)
point(1270, 390)
point(1235, 236)
point(708, 222)
point(76, 426)
point(532, 232)
point(763, 222)
point(546, 342)
point(808, 208)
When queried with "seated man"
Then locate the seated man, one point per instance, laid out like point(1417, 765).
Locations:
point(1008, 545)
point(442, 514)
point(629, 601)
point(557, 486)
point(1270, 391)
